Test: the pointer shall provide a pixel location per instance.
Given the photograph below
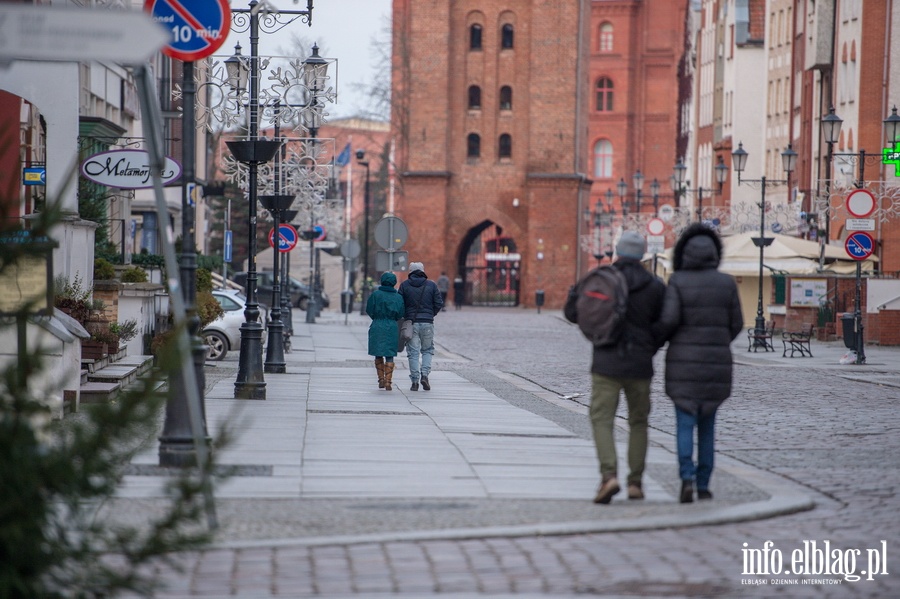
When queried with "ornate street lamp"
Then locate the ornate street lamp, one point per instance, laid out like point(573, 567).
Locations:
point(638, 180)
point(789, 163)
point(679, 181)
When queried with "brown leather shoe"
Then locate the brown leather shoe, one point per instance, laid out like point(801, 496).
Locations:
point(635, 491)
point(607, 489)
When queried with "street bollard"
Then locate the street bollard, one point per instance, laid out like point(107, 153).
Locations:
point(539, 299)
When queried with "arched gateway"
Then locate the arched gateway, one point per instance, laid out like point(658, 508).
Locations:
point(490, 265)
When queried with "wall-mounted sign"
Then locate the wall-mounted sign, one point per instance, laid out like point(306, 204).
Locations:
point(34, 175)
point(808, 293)
point(126, 169)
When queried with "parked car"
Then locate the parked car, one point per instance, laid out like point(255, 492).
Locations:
point(299, 292)
point(224, 333)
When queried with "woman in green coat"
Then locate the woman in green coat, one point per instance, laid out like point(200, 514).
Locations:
point(384, 307)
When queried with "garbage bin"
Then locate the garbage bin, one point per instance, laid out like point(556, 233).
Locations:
point(346, 302)
point(848, 326)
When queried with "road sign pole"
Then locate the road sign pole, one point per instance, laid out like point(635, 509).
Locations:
point(275, 347)
point(857, 317)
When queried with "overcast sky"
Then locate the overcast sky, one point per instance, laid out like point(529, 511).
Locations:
point(343, 29)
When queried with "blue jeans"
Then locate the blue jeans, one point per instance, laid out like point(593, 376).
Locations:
point(684, 440)
point(422, 343)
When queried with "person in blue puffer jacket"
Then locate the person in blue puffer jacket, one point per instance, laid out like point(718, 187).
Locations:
point(423, 300)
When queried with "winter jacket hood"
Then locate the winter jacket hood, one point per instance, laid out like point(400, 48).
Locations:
point(698, 248)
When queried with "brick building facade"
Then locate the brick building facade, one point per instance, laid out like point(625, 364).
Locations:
point(512, 124)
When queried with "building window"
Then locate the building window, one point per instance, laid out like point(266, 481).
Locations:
point(474, 97)
point(506, 98)
point(506, 36)
point(603, 157)
point(473, 146)
point(606, 37)
point(475, 37)
point(604, 94)
point(505, 146)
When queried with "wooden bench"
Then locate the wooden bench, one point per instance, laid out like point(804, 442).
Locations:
point(798, 341)
point(761, 339)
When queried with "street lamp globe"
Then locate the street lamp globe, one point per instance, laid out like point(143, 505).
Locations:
point(831, 127)
point(892, 126)
point(721, 172)
point(789, 160)
point(237, 69)
point(654, 188)
point(739, 158)
point(622, 187)
point(680, 174)
point(638, 180)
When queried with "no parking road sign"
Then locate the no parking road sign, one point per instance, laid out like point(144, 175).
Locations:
point(197, 28)
point(859, 245)
point(287, 237)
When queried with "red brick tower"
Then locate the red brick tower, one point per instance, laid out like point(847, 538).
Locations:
point(489, 104)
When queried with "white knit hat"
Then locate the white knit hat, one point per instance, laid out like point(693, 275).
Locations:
point(414, 266)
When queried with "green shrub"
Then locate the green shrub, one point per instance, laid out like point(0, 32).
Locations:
point(135, 274)
point(204, 280)
point(103, 270)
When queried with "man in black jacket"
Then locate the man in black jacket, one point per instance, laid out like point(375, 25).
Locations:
point(626, 366)
point(423, 300)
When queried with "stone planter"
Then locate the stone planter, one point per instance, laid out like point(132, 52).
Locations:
point(93, 350)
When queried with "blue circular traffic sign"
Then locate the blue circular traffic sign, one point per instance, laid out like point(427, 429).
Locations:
point(859, 245)
point(287, 237)
point(197, 28)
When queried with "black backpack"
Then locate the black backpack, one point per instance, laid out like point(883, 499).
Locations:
point(597, 304)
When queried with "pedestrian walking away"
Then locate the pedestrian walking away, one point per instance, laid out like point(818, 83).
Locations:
point(701, 317)
point(423, 301)
point(624, 364)
point(459, 292)
point(385, 308)
point(443, 285)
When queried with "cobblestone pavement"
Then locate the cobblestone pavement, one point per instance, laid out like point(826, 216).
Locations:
point(835, 436)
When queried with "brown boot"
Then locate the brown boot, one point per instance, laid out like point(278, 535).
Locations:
point(379, 366)
point(388, 374)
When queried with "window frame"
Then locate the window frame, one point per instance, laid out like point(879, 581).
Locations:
point(473, 146)
point(603, 96)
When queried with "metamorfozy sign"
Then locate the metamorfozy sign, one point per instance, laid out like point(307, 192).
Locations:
point(126, 169)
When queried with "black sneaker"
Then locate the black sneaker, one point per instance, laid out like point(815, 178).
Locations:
point(414, 387)
point(703, 494)
point(687, 492)
point(425, 384)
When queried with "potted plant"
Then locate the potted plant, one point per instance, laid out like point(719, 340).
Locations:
point(125, 331)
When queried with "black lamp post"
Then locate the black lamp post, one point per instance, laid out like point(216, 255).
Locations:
point(789, 163)
point(287, 216)
point(622, 188)
point(315, 69)
point(275, 204)
point(360, 157)
point(176, 443)
point(654, 192)
point(250, 382)
point(638, 180)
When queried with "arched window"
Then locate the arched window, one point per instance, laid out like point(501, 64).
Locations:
point(603, 158)
point(506, 36)
point(504, 149)
point(474, 97)
point(506, 98)
point(606, 37)
point(604, 94)
point(475, 37)
point(473, 146)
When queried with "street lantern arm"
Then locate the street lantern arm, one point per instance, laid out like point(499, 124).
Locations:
point(739, 158)
point(831, 127)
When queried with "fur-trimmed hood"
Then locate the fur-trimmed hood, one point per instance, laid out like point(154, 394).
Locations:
point(698, 248)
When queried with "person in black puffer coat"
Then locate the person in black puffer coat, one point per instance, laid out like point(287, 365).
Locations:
point(701, 317)
point(423, 301)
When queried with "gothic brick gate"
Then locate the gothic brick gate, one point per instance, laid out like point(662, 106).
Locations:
point(491, 267)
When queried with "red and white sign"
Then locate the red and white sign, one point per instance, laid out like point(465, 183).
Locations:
point(287, 237)
point(656, 226)
point(860, 203)
point(197, 28)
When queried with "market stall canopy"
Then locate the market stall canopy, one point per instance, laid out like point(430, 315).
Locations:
point(786, 254)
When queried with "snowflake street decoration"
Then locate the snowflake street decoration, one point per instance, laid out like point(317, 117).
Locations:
point(287, 97)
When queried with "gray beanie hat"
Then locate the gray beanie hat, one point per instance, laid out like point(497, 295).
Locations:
point(631, 245)
point(414, 266)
